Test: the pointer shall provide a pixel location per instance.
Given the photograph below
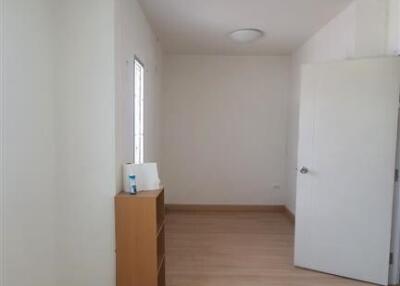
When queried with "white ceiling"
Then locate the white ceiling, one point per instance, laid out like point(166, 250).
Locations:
point(202, 26)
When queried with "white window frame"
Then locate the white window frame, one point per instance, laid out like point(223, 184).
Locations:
point(138, 134)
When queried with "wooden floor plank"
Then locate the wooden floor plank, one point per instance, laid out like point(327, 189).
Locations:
point(236, 249)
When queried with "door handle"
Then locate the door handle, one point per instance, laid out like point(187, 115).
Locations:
point(304, 170)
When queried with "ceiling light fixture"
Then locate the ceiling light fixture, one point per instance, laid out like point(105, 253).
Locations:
point(246, 35)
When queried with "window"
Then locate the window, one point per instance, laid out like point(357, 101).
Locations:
point(139, 102)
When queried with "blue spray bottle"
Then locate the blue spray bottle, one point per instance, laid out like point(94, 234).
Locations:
point(132, 184)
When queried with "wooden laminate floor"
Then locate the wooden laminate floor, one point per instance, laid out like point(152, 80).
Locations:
point(236, 249)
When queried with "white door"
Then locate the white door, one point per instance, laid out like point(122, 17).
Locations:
point(347, 149)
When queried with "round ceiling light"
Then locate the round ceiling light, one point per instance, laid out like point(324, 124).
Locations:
point(246, 35)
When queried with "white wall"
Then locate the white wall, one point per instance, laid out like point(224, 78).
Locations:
point(366, 28)
point(58, 128)
point(394, 27)
point(28, 144)
point(85, 132)
point(224, 131)
point(135, 37)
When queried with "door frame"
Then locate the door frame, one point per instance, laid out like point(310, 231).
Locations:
point(2, 165)
point(394, 271)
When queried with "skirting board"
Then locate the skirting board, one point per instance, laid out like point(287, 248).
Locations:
point(226, 208)
point(290, 215)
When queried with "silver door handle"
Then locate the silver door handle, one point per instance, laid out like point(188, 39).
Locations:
point(304, 170)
